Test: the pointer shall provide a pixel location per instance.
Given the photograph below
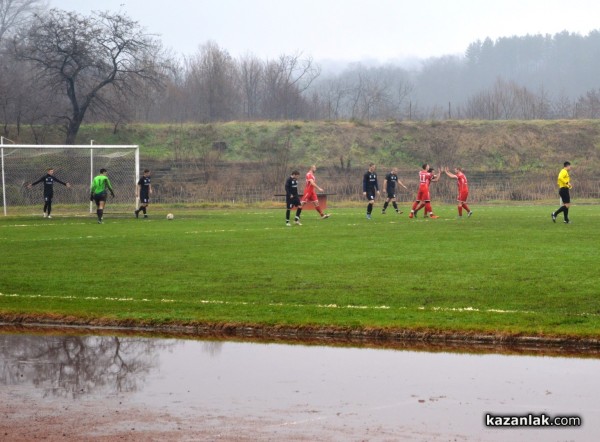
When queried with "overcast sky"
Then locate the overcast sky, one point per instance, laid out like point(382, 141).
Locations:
point(346, 30)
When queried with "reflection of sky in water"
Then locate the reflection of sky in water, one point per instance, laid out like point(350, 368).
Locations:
point(378, 377)
point(294, 385)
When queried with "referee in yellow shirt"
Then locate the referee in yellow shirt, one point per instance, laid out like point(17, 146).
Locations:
point(564, 184)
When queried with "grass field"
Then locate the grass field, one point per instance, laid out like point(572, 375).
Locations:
point(505, 270)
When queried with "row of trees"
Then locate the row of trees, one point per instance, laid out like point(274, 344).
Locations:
point(63, 68)
point(212, 86)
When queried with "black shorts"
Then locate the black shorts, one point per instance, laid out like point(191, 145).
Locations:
point(292, 202)
point(564, 195)
point(371, 194)
point(99, 197)
point(48, 198)
point(391, 195)
point(144, 199)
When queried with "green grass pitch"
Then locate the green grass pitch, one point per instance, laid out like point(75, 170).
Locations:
point(507, 269)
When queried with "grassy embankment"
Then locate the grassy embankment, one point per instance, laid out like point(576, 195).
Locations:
point(476, 145)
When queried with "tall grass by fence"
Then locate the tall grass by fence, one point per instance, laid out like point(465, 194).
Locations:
point(250, 183)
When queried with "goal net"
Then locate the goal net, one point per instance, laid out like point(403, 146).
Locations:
point(75, 164)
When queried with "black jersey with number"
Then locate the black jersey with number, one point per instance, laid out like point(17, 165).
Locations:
point(370, 182)
point(144, 184)
point(291, 187)
point(48, 184)
point(391, 179)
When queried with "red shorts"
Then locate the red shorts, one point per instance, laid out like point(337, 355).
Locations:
point(423, 195)
point(309, 196)
point(462, 196)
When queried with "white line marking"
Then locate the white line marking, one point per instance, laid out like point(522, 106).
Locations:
point(281, 304)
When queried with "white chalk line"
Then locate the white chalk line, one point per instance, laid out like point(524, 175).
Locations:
point(286, 305)
point(104, 233)
point(87, 298)
point(45, 224)
point(67, 238)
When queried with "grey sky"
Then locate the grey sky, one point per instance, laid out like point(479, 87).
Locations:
point(346, 30)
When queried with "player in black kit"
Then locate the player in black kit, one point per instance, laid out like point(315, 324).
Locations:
point(370, 188)
point(292, 199)
point(389, 187)
point(48, 180)
point(143, 191)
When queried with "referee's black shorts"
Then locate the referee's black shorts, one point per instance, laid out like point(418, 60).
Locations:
point(565, 197)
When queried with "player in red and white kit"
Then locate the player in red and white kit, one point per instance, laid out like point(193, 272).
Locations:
point(463, 189)
point(426, 177)
point(310, 194)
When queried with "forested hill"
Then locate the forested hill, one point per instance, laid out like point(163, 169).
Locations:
point(559, 73)
point(476, 145)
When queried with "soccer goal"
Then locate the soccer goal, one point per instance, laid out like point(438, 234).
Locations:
point(76, 164)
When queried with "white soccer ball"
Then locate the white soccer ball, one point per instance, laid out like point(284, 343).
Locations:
point(170, 216)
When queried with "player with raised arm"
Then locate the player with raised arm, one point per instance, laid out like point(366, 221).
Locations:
point(48, 181)
point(463, 189)
point(389, 188)
point(426, 177)
point(292, 199)
point(370, 188)
point(143, 192)
point(310, 195)
point(98, 190)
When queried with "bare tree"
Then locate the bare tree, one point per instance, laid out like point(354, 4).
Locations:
point(15, 14)
point(81, 55)
point(507, 100)
point(334, 92)
point(214, 78)
point(23, 100)
point(588, 106)
point(251, 77)
point(285, 80)
point(482, 106)
point(543, 105)
point(563, 107)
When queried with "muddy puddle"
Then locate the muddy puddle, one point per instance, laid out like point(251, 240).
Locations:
point(67, 387)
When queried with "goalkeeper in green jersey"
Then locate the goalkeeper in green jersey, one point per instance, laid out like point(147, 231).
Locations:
point(100, 186)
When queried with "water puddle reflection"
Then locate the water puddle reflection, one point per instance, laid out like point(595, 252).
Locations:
point(68, 387)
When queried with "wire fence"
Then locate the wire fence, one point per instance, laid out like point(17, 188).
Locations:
point(208, 180)
point(251, 183)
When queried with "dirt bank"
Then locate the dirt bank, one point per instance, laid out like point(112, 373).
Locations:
point(426, 340)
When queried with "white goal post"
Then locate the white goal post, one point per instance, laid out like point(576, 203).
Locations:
point(23, 164)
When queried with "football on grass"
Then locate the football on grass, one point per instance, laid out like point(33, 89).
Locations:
point(170, 216)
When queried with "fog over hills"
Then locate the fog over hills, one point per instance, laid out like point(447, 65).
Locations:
point(312, 75)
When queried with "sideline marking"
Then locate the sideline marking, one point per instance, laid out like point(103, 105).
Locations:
point(473, 309)
point(281, 304)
